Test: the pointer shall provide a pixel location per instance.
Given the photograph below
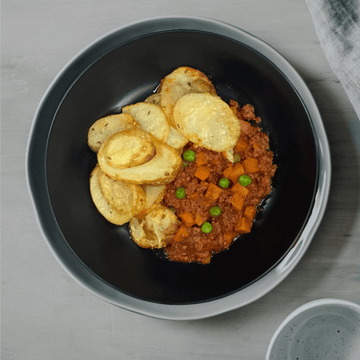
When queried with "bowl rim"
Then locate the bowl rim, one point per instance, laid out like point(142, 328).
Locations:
point(304, 308)
point(262, 286)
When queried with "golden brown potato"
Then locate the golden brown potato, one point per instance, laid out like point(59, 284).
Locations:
point(139, 152)
point(154, 99)
point(154, 194)
point(105, 209)
point(153, 230)
point(125, 198)
point(207, 121)
point(230, 155)
point(176, 139)
point(150, 117)
point(184, 80)
point(126, 149)
point(107, 126)
point(161, 169)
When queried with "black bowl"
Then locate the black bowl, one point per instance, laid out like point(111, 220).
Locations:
point(126, 66)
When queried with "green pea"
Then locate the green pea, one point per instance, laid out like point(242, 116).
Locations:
point(180, 193)
point(215, 211)
point(244, 180)
point(189, 155)
point(224, 183)
point(206, 228)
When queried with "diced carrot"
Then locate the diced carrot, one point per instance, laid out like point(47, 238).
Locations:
point(201, 158)
point(202, 172)
point(237, 201)
point(250, 212)
point(228, 171)
point(251, 165)
point(240, 145)
point(243, 226)
point(229, 236)
point(194, 196)
point(181, 234)
point(206, 260)
point(187, 218)
point(199, 220)
point(241, 190)
point(237, 170)
point(213, 192)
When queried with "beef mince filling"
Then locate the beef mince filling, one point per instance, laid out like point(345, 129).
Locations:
point(238, 203)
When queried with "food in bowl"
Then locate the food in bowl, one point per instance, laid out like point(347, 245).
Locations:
point(124, 67)
point(220, 198)
point(186, 169)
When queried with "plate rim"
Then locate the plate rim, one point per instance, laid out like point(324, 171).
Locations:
point(266, 283)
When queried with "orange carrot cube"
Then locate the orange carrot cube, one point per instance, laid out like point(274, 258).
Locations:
point(251, 165)
point(201, 158)
point(202, 172)
point(181, 234)
point(228, 171)
point(237, 201)
point(199, 220)
point(240, 145)
point(187, 218)
point(237, 170)
point(250, 212)
point(243, 226)
point(241, 190)
point(229, 237)
point(213, 192)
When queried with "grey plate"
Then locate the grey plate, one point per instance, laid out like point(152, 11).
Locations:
point(38, 168)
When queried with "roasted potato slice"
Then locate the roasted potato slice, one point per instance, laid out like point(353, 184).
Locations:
point(184, 80)
point(153, 230)
point(230, 155)
point(125, 198)
point(161, 169)
point(154, 99)
point(154, 194)
point(105, 209)
point(207, 121)
point(126, 149)
point(176, 139)
point(150, 117)
point(107, 126)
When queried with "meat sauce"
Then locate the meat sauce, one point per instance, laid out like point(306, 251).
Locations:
point(239, 204)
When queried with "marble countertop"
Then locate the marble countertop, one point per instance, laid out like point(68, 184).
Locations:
point(45, 313)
